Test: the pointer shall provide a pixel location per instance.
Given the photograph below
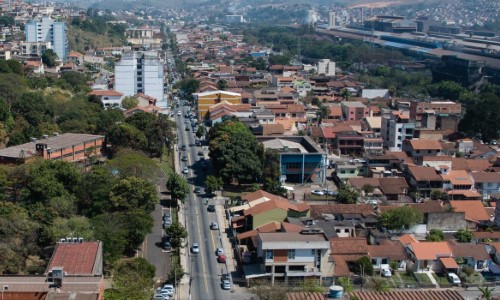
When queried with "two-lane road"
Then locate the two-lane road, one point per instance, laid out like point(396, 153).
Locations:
point(204, 270)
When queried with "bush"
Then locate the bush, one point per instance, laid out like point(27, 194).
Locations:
point(364, 264)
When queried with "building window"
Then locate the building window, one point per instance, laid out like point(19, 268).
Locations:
point(291, 254)
point(269, 254)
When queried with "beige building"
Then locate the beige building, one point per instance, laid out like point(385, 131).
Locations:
point(207, 99)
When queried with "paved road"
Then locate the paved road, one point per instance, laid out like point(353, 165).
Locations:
point(204, 269)
point(151, 249)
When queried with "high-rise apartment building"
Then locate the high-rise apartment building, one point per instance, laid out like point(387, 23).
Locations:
point(140, 72)
point(395, 129)
point(48, 30)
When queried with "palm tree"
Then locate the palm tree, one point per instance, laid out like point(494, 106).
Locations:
point(486, 292)
point(346, 94)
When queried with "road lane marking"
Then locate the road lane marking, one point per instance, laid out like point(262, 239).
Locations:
point(201, 252)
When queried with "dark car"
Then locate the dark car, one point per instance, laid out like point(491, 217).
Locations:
point(187, 129)
point(197, 190)
point(200, 153)
point(211, 208)
point(184, 158)
point(183, 148)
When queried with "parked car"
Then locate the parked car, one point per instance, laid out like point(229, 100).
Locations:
point(219, 251)
point(221, 259)
point(161, 297)
point(185, 170)
point(225, 276)
point(179, 113)
point(330, 193)
point(200, 153)
point(188, 129)
point(166, 289)
point(214, 226)
point(318, 193)
point(211, 208)
point(184, 158)
point(166, 245)
point(197, 190)
point(167, 222)
point(453, 278)
point(386, 272)
point(195, 248)
point(226, 285)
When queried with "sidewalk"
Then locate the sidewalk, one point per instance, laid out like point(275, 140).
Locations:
point(183, 287)
point(223, 234)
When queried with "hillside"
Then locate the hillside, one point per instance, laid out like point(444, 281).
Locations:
point(78, 40)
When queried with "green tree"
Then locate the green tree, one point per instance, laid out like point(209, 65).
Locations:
point(346, 94)
point(363, 265)
point(133, 193)
point(130, 163)
point(401, 218)
point(188, 86)
point(161, 133)
point(346, 283)
point(379, 285)
point(33, 108)
point(464, 235)
point(481, 118)
point(126, 136)
point(279, 59)
point(129, 102)
point(222, 85)
point(178, 187)
point(323, 112)
point(234, 151)
point(141, 120)
point(12, 87)
point(435, 235)
point(213, 183)
point(177, 233)
point(347, 195)
point(74, 226)
point(93, 191)
point(200, 132)
point(108, 118)
point(271, 173)
point(49, 58)
point(368, 189)
point(132, 279)
point(447, 90)
point(175, 275)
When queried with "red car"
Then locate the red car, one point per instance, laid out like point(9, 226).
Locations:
point(221, 258)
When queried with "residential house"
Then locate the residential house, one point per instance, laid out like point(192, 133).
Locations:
point(302, 87)
point(392, 188)
point(430, 255)
point(486, 183)
point(475, 212)
point(276, 210)
point(423, 180)
point(349, 143)
point(372, 144)
point(405, 295)
point(109, 98)
point(350, 169)
point(395, 129)
point(34, 67)
point(417, 149)
point(373, 124)
point(294, 255)
point(472, 255)
point(326, 67)
point(301, 159)
point(445, 114)
point(387, 251)
point(456, 180)
point(355, 110)
point(345, 251)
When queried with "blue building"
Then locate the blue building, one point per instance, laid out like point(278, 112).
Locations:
point(48, 30)
point(301, 159)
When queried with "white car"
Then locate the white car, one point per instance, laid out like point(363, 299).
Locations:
point(161, 297)
point(167, 289)
point(226, 285)
point(179, 113)
point(195, 248)
point(386, 272)
point(185, 170)
point(214, 226)
point(453, 278)
point(219, 251)
point(318, 193)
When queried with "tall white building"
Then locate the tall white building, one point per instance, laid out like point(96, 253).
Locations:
point(48, 30)
point(140, 72)
point(395, 129)
point(327, 67)
point(331, 19)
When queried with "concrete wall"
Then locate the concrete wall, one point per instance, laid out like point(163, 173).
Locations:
point(446, 221)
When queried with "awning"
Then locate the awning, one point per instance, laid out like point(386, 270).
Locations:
point(449, 263)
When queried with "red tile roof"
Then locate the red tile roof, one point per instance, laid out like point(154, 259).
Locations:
point(305, 296)
point(425, 144)
point(105, 93)
point(76, 258)
point(407, 295)
point(474, 209)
